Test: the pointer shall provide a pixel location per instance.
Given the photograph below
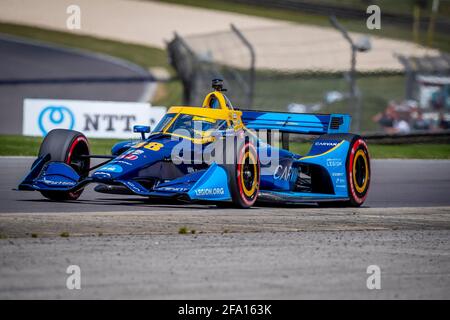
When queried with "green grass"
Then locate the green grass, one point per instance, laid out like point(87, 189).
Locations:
point(410, 151)
point(387, 6)
point(441, 40)
point(401, 151)
point(183, 230)
point(15, 145)
point(11, 145)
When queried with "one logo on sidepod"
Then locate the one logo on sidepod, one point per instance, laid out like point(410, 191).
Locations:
point(52, 117)
point(111, 168)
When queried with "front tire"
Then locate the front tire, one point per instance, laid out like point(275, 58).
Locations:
point(66, 146)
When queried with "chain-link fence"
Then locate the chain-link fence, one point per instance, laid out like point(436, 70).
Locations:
point(294, 68)
point(225, 55)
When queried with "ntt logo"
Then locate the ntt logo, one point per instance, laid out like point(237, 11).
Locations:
point(52, 117)
point(96, 119)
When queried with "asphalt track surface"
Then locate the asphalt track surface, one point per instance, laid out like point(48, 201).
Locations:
point(299, 265)
point(130, 249)
point(24, 60)
point(395, 183)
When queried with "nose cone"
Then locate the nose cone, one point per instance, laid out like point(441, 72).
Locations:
point(128, 164)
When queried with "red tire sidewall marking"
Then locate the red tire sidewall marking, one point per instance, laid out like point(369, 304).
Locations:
point(355, 196)
point(75, 195)
point(73, 145)
point(238, 176)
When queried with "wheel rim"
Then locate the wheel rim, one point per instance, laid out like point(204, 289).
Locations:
point(249, 174)
point(360, 171)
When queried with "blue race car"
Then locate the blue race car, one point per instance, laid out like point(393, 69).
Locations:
point(217, 154)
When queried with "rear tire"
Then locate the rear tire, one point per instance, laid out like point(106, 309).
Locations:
point(66, 146)
point(357, 169)
point(358, 172)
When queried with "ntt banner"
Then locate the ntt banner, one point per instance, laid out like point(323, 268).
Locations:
point(96, 119)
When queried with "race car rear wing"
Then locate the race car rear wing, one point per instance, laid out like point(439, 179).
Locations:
point(300, 123)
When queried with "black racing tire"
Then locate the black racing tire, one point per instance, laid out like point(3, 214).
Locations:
point(66, 146)
point(357, 168)
point(243, 175)
point(358, 172)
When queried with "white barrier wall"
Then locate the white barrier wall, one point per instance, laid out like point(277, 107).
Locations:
point(96, 119)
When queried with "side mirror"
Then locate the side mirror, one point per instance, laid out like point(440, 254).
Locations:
point(142, 129)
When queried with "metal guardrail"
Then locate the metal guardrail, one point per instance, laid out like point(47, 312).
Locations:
point(383, 138)
point(414, 137)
